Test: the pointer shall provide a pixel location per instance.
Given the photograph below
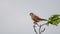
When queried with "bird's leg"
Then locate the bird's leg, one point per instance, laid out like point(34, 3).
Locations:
point(35, 22)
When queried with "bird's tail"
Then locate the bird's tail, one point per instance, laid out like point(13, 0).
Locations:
point(44, 19)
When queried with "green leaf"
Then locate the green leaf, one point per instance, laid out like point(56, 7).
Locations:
point(54, 19)
point(58, 20)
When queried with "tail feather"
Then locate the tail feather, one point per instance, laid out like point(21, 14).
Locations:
point(44, 20)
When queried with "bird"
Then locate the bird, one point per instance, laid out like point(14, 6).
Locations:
point(35, 18)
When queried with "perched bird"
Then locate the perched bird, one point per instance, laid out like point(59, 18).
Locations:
point(36, 19)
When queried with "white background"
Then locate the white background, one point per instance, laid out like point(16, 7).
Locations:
point(15, 18)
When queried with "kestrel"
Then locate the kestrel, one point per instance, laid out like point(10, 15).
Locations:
point(36, 19)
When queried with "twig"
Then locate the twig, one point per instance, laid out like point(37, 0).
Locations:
point(43, 24)
point(35, 29)
point(43, 30)
point(40, 28)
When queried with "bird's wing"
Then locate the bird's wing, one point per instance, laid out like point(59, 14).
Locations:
point(37, 17)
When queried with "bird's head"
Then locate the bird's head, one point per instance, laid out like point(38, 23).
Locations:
point(31, 14)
